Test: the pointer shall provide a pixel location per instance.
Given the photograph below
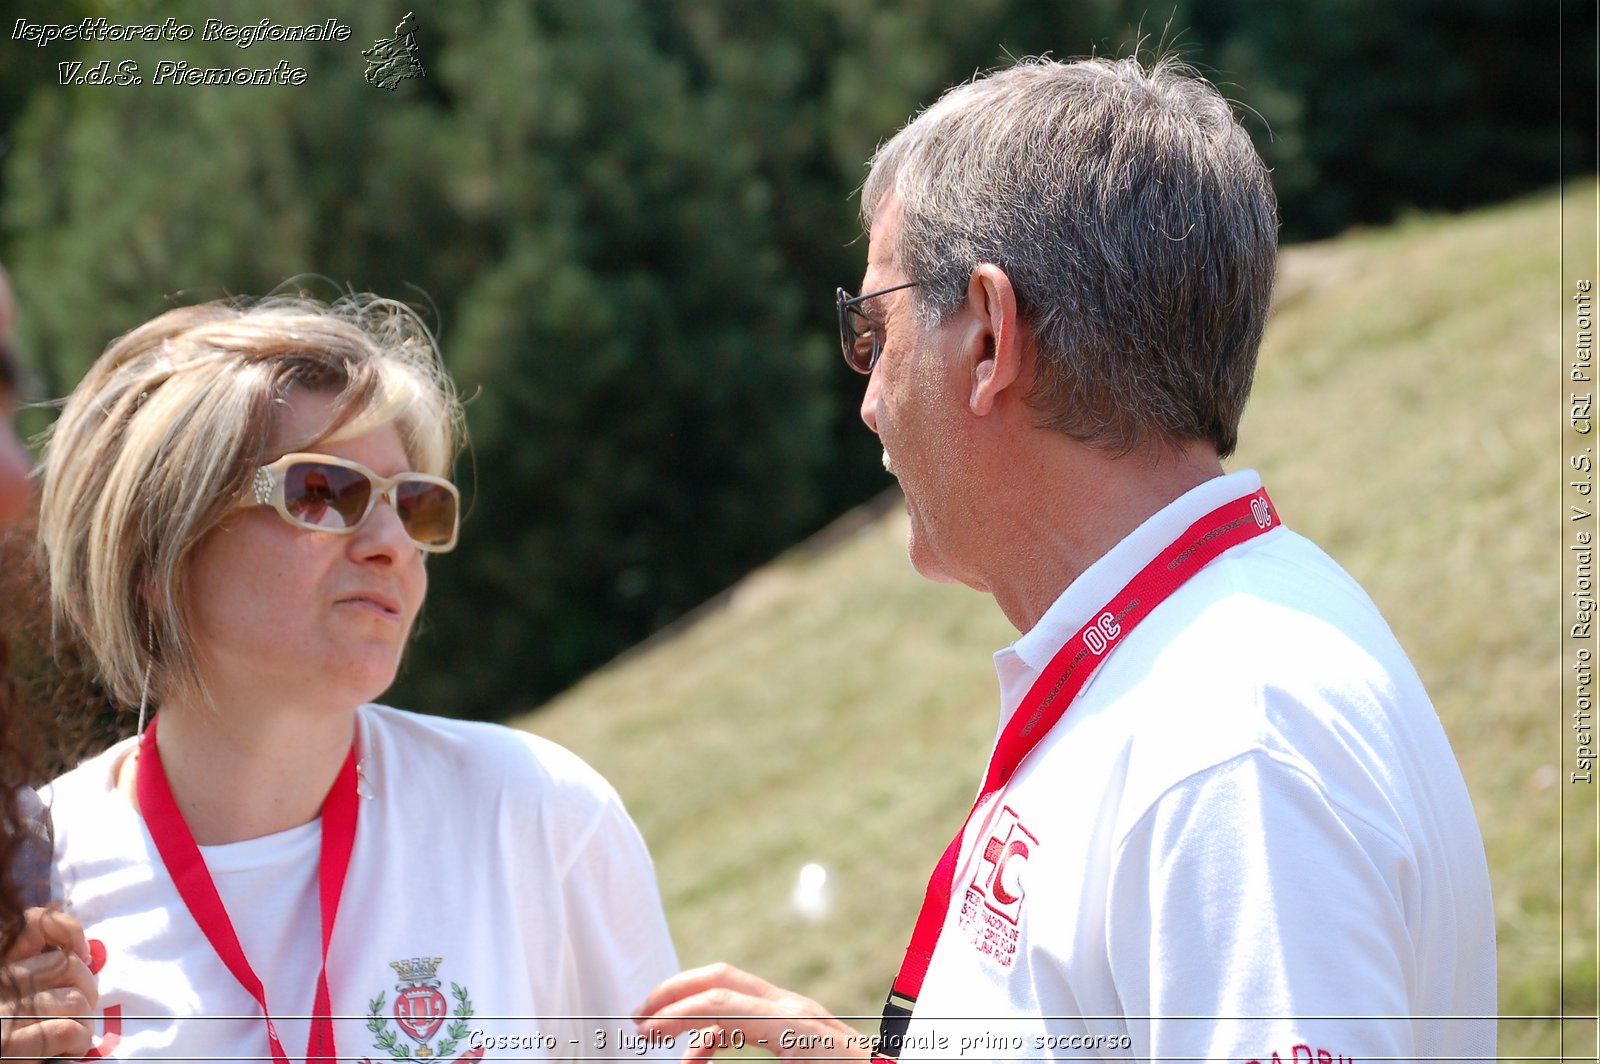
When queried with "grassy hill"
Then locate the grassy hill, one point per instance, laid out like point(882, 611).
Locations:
point(834, 708)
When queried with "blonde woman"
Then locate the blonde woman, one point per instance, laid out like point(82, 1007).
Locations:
point(238, 505)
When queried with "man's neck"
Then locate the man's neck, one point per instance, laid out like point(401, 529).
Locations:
point(238, 776)
point(1077, 506)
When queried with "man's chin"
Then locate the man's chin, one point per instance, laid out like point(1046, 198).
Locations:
point(925, 562)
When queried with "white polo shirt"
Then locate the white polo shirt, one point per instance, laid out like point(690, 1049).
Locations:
point(1247, 841)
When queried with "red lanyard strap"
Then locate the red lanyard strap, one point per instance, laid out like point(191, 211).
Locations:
point(1047, 701)
point(179, 852)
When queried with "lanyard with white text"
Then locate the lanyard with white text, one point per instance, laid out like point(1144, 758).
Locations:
point(1047, 701)
point(175, 842)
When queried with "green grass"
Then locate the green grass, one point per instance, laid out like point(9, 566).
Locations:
point(836, 708)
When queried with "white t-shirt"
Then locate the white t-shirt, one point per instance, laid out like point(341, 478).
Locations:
point(1248, 840)
point(498, 898)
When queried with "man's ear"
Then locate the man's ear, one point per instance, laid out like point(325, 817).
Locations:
point(997, 337)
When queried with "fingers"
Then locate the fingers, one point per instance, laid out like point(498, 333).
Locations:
point(46, 1039)
point(51, 971)
point(49, 928)
point(53, 1022)
point(703, 1043)
point(714, 978)
point(51, 1014)
point(723, 1007)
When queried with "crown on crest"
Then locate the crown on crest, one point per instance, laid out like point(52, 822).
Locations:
point(417, 969)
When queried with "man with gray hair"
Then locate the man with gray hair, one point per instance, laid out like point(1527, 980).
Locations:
point(1221, 820)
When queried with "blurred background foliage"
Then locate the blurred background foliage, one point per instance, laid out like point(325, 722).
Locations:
point(625, 220)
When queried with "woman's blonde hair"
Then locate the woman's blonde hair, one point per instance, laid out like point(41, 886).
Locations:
point(159, 441)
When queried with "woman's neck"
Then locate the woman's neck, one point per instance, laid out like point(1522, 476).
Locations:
point(238, 776)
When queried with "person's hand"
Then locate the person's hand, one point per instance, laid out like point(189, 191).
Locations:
point(47, 993)
point(722, 1007)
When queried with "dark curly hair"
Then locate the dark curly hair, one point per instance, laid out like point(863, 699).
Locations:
point(52, 713)
point(51, 710)
point(15, 831)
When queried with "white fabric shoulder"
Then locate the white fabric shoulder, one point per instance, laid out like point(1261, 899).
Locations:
point(488, 753)
point(1248, 664)
point(493, 767)
point(82, 791)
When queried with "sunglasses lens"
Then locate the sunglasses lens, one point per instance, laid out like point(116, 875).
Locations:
point(860, 340)
point(326, 496)
point(427, 510)
point(846, 331)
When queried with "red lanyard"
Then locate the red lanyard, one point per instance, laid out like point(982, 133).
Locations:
point(175, 842)
point(1048, 700)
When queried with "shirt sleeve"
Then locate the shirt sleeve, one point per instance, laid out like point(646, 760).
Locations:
point(618, 945)
point(1252, 919)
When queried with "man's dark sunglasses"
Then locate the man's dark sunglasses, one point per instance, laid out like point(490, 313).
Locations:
point(862, 342)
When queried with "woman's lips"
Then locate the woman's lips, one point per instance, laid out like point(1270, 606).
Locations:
point(374, 601)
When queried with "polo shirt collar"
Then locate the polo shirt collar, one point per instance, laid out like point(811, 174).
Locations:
point(1019, 664)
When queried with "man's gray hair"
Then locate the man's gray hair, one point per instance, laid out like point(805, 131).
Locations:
point(1135, 220)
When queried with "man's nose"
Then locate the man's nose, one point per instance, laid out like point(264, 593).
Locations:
point(869, 402)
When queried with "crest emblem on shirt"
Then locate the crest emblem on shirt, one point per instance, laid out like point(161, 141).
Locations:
point(1000, 871)
point(419, 1006)
point(420, 1009)
point(992, 908)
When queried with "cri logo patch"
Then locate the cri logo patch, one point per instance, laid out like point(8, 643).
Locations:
point(999, 876)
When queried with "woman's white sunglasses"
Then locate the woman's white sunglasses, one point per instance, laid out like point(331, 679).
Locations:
point(328, 494)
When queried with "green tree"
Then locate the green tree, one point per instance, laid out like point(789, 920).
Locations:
point(627, 219)
point(648, 417)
